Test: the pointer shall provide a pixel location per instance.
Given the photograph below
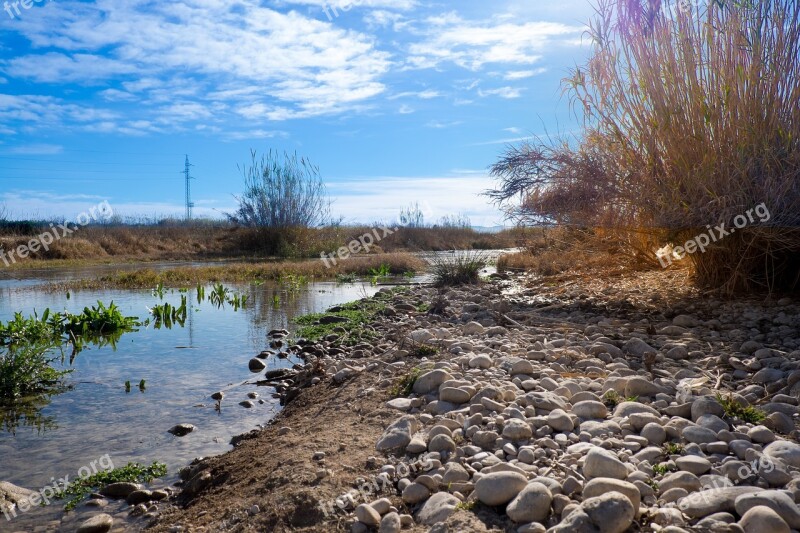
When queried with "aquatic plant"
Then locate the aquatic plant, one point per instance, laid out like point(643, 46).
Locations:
point(82, 487)
point(383, 271)
point(293, 282)
point(166, 314)
point(26, 370)
point(159, 290)
point(219, 294)
point(99, 325)
point(201, 293)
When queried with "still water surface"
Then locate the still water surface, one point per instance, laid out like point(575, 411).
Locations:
point(181, 367)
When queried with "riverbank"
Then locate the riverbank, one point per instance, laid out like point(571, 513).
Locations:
point(144, 277)
point(217, 240)
point(524, 405)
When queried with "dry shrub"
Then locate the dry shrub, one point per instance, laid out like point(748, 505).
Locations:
point(74, 248)
point(692, 118)
point(570, 249)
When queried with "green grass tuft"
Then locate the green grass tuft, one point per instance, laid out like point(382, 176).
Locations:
point(734, 409)
point(405, 384)
point(79, 489)
point(463, 269)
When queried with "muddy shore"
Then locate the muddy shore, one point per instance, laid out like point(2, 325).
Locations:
point(565, 405)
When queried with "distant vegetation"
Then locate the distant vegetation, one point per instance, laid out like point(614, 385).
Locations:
point(284, 271)
point(284, 212)
point(692, 117)
point(171, 239)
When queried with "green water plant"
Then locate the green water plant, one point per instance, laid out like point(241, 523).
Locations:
point(26, 370)
point(99, 325)
point(166, 314)
point(76, 491)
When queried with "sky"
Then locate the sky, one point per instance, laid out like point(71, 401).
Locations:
point(396, 101)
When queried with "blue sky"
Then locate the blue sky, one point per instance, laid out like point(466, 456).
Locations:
point(396, 101)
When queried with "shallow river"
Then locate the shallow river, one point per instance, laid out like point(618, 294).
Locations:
point(181, 366)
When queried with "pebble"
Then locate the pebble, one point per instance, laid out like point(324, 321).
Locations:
point(761, 519)
point(438, 508)
point(499, 488)
point(97, 524)
point(602, 463)
point(532, 504)
point(531, 421)
point(368, 515)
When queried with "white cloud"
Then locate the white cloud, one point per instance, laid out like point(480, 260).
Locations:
point(423, 95)
point(523, 74)
point(37, 149)
point(502, 92)
point(381, 198)
point(347, 5)
point(435, 124)
point(204, 49)
point(405, 109)
point(255, 134)
point(472, 45)
point(378, 18)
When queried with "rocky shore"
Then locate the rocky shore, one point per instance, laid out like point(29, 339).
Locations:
point(571, 406)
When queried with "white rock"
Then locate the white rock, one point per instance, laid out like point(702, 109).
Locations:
point(473, 328)
point(710, 501)
point(430, 381)
point(453, 395)
point(481, 361)
point(611, 513)
point(602, 485)
point(437, 509)
point(532, 504)
point(368, 515)
point(590, 409)
point(694, 464)
point(560, 420)
point(516, 429)
point(390, 523)
point(97, 524)
point(499, 488)
point(776, 500)
point(398, 435)
point(761, 519)
point(415, 493)
point(602, 463)
point(785, 450)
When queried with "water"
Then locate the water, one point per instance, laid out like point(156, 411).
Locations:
point(182, 367)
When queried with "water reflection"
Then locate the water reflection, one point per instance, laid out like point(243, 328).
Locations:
point(27, 413)
point(182, 367)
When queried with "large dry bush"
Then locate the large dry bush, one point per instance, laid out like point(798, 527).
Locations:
point(692, 118)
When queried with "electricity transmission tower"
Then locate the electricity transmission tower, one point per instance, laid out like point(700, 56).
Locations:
point(189, 203)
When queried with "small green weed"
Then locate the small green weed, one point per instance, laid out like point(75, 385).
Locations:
point(79, 489)
point(734, 409)
point(673, 448)
point(405, 385)
point(663, 468)
point(468, 506)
